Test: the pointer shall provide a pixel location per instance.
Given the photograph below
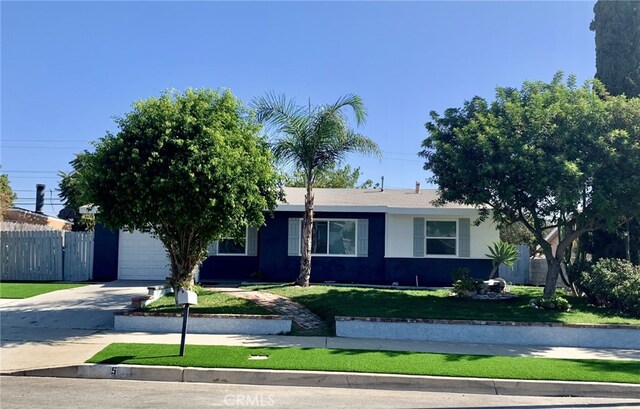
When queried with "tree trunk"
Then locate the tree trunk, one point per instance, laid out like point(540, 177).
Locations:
point(307, 228)
point(493, 271)
point(183, 272)
point(551, 280)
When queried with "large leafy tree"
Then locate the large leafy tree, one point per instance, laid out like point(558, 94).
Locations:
point(71, 191)
point(314, 139)
point(617, 28)
point(548, 155)
point(336, 177)
point(191, 167)
point(7, 195)
point(617, 33)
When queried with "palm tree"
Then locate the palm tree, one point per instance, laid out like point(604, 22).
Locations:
point(312, 140)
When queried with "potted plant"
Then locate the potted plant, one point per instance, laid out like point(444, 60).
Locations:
point(463, 284)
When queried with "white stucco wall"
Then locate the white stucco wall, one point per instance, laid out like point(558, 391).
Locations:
point(399, 234)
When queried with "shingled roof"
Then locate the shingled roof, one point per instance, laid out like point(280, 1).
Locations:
point(387, 201)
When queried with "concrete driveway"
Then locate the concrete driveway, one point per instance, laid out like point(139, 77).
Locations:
point(52, 328)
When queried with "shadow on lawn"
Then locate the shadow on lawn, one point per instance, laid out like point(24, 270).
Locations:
point(121, 359)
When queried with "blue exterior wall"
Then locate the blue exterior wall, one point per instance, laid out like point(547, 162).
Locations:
point(228, 268)
point(432, 271)
point(105, 254)
point(276, 265)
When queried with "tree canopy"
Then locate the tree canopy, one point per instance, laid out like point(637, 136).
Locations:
point(7, 195)
point(617, 28)
point(547, 155)
point(71, 191)
point(336, 177)
point(191, 167)
point(313, 140)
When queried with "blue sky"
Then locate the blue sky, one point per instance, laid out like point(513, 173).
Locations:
point(68, 67)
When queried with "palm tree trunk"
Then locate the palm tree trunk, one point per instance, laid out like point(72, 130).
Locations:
point(307, 228)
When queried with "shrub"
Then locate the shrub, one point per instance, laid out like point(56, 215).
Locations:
point(615, 284)
point(462, 282)
point(576, 271)
point(459, 273)
point(556, 302)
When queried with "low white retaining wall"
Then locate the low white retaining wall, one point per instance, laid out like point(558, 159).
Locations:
point(204, 323)
point(485, 332)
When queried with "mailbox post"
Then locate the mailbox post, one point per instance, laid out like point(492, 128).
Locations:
point(185, 298)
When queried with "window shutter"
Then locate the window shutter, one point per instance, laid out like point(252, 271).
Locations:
point(294, 237)
point(213, 248)
point(252, 241)
point(418, 237)
point(464, 237)
point(363, 238)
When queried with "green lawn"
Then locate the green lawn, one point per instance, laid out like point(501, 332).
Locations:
point(209, 302)
point(410, 363)
point(31, 289)
point(331, 301)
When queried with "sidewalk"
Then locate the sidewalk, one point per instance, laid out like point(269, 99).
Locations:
point(66, 360)
point(82, 345)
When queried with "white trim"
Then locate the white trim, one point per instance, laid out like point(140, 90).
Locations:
point(327, 254)
point(386, 234)
point(246, 238)
point(456, 238)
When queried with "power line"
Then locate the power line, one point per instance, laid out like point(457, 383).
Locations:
point(41, 147)
point(44, 140)
point(35, 177)
point(31, 171)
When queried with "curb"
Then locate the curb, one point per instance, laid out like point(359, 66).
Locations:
point(341, 380)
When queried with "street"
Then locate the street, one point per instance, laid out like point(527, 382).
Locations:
point(26, 392)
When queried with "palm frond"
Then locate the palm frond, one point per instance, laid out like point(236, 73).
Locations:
point(313, 139)
point(279, 114)
point(353, 101)
point(361, 144)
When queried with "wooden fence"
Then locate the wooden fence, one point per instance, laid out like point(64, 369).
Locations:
point(46, 255)
point(526, 270)
point(520, 272)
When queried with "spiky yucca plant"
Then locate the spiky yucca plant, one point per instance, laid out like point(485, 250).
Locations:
point(501, 252)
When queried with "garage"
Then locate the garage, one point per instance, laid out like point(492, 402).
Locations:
point(141, 257)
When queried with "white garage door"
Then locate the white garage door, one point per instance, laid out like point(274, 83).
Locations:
point(141, 257)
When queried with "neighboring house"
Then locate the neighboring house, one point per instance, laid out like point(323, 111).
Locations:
point(24, 217)
point(364, 236)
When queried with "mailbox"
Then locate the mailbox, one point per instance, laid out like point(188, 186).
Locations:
point(186, 297)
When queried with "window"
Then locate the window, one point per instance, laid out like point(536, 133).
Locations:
point(441, 238)
point(333, 237)
point(232, 247)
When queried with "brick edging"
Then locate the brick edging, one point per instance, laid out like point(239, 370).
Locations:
point(483, 322)
point(196, 315)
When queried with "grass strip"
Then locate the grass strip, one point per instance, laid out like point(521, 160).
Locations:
point(29, 289)
point(331, 301)
point(391, 362)
point(209, 302)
